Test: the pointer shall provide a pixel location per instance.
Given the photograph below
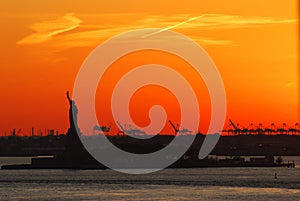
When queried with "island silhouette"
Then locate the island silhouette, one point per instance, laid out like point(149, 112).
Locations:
point(75, 156)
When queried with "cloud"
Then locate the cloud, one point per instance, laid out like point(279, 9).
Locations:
point(213, 41)
point(92, 34)
point(44, 31)
point(219, 21)
point(289, 85)
point(92, 37)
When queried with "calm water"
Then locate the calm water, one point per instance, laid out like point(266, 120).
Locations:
point(171, 184)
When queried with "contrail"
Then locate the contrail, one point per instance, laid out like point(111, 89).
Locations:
point(177, 25)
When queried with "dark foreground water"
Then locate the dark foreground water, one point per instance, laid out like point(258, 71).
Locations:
point(171, 184)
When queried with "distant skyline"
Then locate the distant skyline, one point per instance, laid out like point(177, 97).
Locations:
point(43, 44)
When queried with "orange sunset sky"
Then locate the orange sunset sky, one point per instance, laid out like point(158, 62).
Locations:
point(253, 43)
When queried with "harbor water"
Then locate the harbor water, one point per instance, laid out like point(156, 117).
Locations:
point(169, 184)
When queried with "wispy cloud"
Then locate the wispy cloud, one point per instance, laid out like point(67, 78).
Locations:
point(214, 41)
point(92, 34)
point(289, 85)
point(43, 31)
point(222, 21)
point(219, 21)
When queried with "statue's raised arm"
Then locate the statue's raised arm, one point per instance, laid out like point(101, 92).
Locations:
point(68, 96)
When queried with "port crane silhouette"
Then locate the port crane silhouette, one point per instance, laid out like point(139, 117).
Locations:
point(282, 129)
point(260, 129)
point(16, 133)
point(101, 129)
point(295, 129)
point(270, 129)
point(236, 130)
point(129, 131)
point(177, 130)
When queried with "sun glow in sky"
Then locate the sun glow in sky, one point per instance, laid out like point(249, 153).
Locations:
point(43, 44)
